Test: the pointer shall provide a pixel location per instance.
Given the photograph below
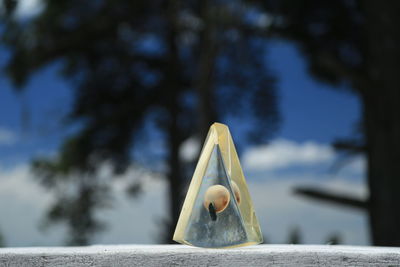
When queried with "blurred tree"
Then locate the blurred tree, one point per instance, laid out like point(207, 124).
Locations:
point(141, 70)
point(2, 242)
point(334, 239)
point(356, 44)
point(294, 236)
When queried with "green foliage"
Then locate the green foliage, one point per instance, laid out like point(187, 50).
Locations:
point(8, 7)
point(329, 33)
point(334, 239)
point(2, 241)
point(347, 43)
point(134, 64)
point(294, 236)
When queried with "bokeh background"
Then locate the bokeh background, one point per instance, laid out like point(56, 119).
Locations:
point(104, 106)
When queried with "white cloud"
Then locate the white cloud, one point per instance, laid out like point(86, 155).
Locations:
point(284, 153)
point(136, 220)
point(22, 205)
point(279, 210)
point(356, 164)
point(23, 202)
point(26, 8)
point(7, 137)
point(17, 183)
point(29, 8)
point(264, 20)
point(189, 149)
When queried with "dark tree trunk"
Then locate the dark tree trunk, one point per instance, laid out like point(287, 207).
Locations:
point(174, 133)
point(383, 143)
point(174, 175)
point(382, 120)
point(205, 76)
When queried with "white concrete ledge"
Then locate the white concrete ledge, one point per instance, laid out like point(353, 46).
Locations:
point(179, 255)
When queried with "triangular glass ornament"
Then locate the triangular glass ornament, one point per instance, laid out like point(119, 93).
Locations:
point(218, 211)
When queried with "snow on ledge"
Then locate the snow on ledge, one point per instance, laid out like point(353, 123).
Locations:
point(179, 255)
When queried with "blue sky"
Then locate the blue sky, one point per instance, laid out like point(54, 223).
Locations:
point(34, 115)
point(310, 110)
point(313, 116)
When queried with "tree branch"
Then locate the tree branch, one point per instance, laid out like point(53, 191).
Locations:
point(335, 198)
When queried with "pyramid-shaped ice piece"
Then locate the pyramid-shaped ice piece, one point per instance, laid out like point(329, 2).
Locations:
point(218, 211)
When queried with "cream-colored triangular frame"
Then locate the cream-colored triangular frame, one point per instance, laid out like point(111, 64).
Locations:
point(219, 135)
